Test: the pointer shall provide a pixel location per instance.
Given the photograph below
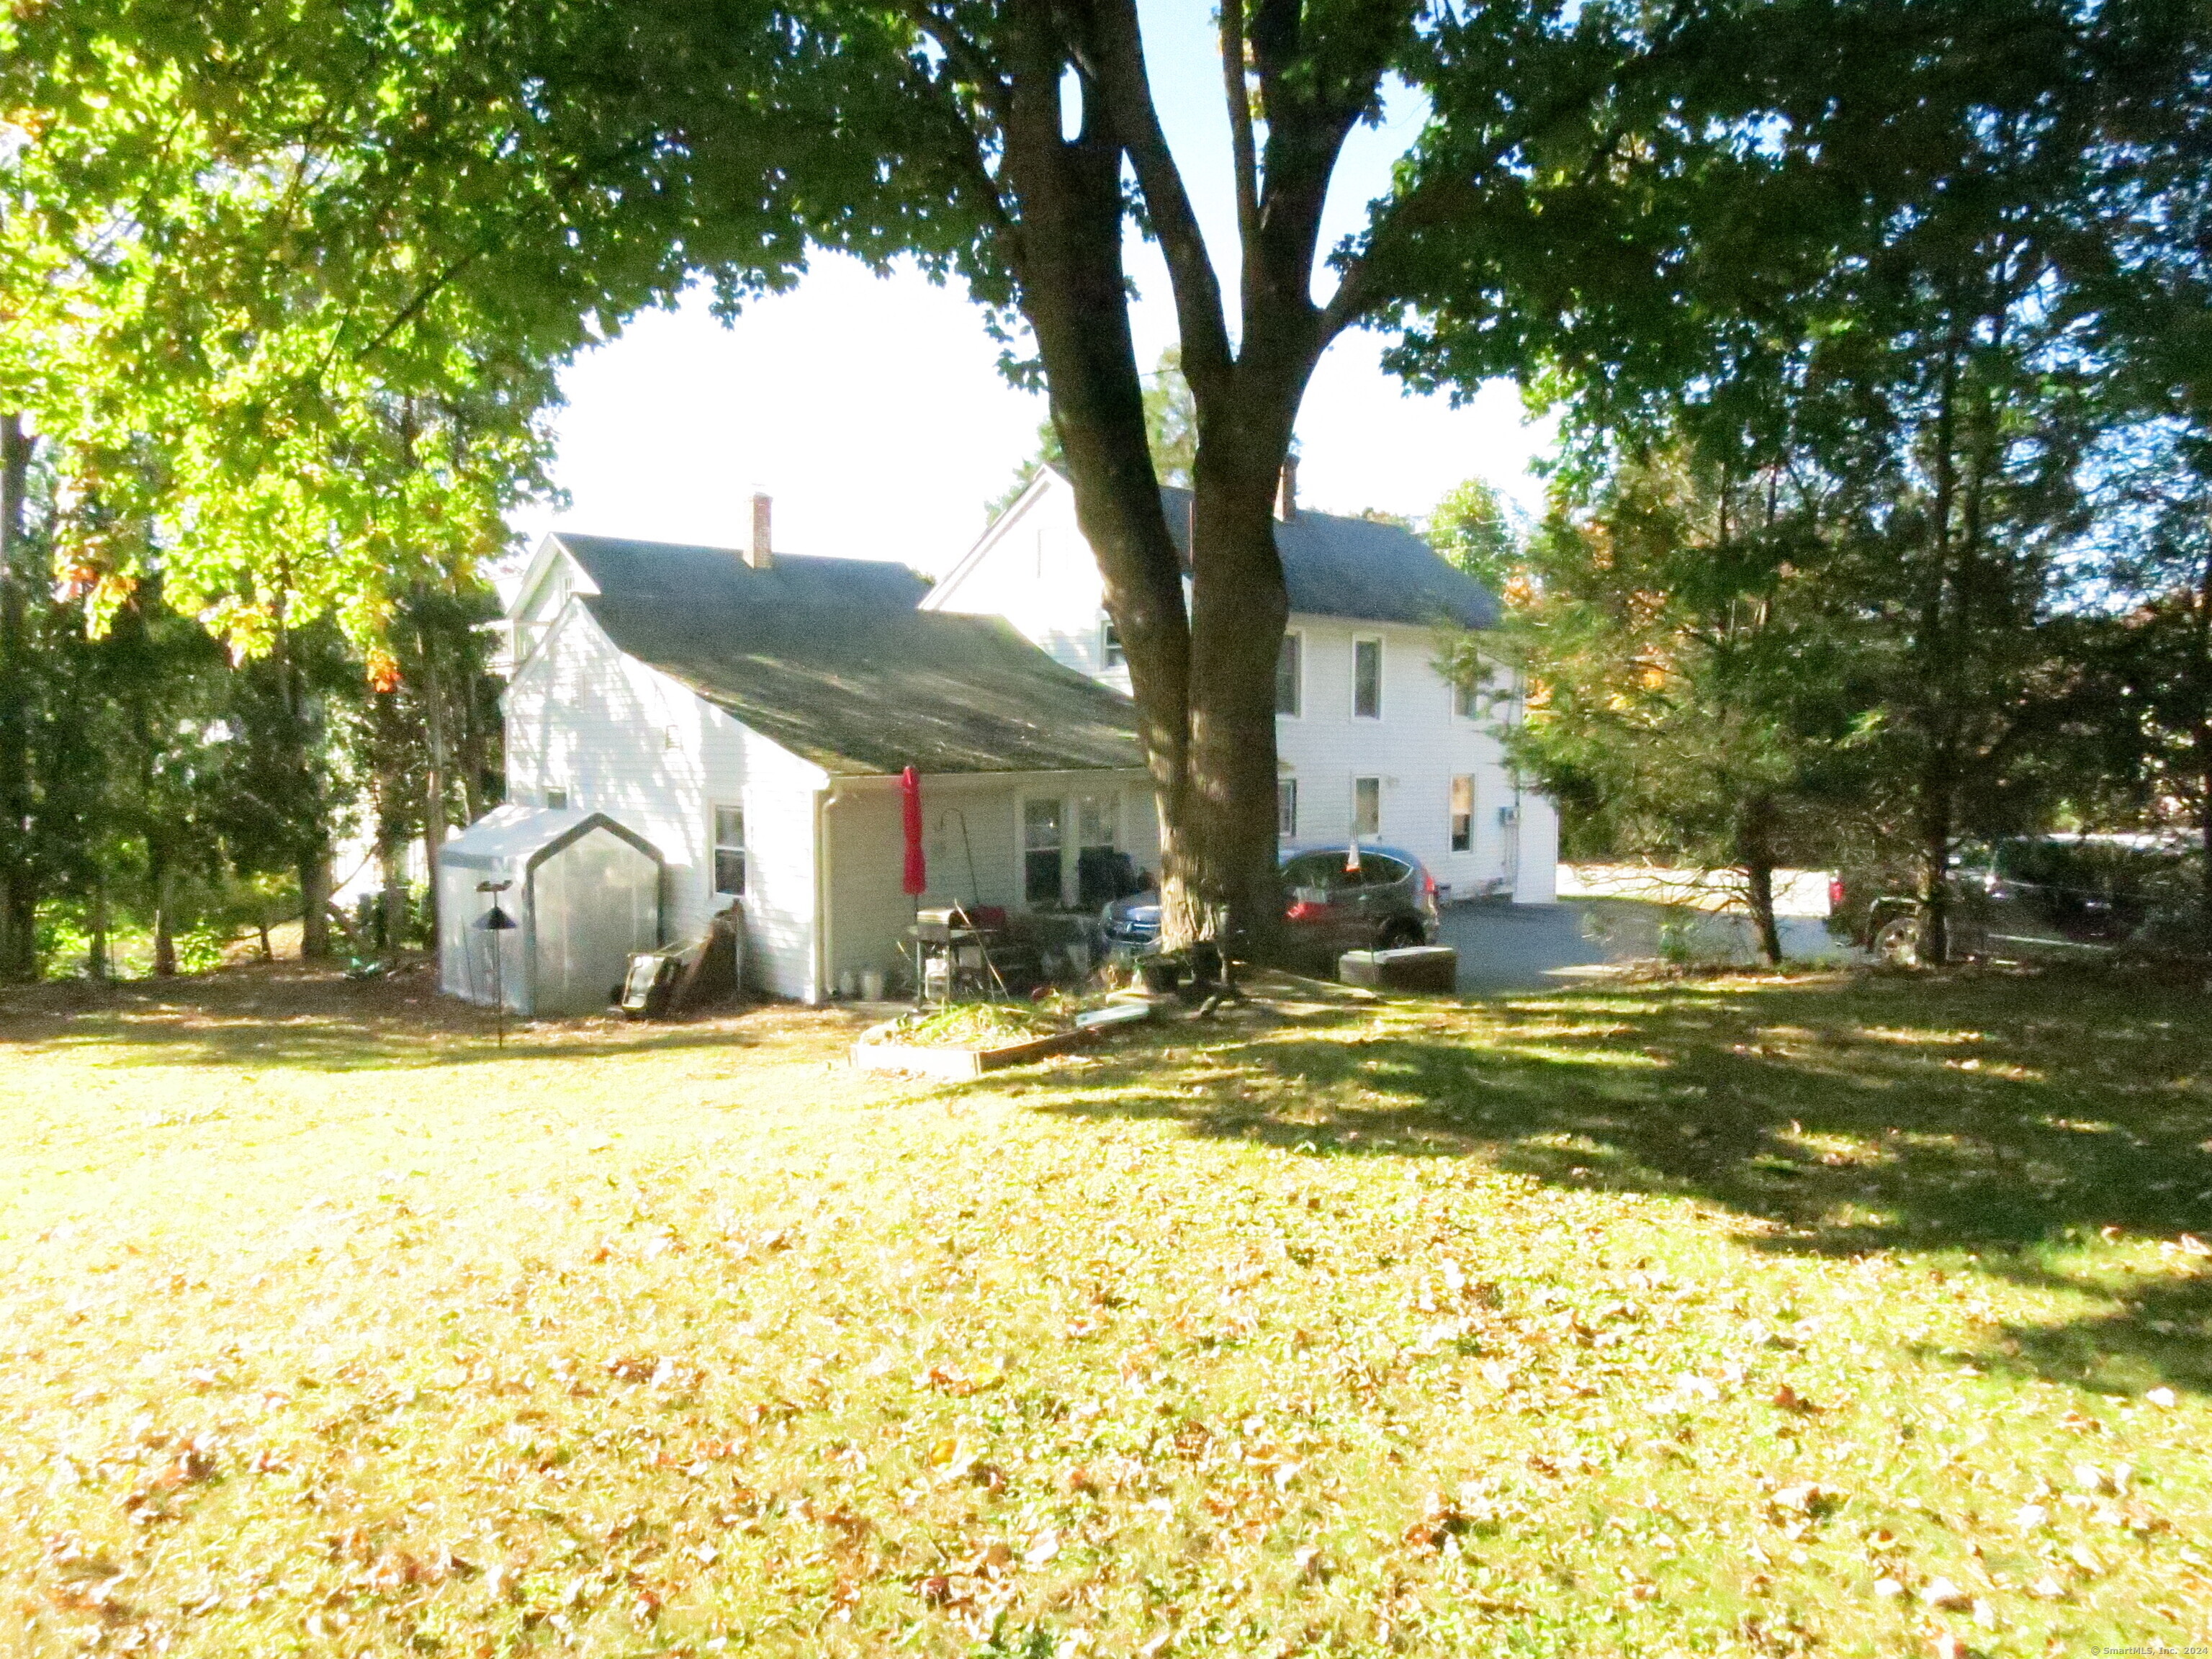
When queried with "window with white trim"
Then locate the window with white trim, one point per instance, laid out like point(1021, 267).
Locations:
point(1043, 842)
point(1109, 644)
point(1287, 808)
point(1097, 864)
point(1463, 814)
point(729, 851)
point(557, 799)
point(1290, 676)
point(1367, 679)
point(1367, 806)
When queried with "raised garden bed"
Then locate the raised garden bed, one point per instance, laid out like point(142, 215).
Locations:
point(964, 1040)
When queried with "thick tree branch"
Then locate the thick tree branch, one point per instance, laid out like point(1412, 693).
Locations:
point(1358, 290)
point(965, 55)
point(1240, 121)
point(1207, 357)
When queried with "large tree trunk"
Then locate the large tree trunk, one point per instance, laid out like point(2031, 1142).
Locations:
point(1203, 671)
point(1755, 842)
point(95, 961)
point(19, 891)
point(162, 882)
point(2202, 670)
point(1238, 608)
point(310, 831)
point(1934, 862)
point(1073, 293)
point(314, 869)
point(434, 779)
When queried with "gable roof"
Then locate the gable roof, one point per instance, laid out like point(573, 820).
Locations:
point(829, 658)
point(1331, 566)
point(1360, 569)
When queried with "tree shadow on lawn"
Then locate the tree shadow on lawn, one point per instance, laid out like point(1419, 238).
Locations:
point(316, 1019)
point(2005, 1115)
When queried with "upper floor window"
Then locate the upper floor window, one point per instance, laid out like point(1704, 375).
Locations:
point(729, 851)
point(1367, 679)
point(1290, 686)
point(1109, 645)
point(1467, 699)
point(557, 799)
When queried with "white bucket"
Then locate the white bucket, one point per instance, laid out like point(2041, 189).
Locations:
point(848, 984)
point(871, 985)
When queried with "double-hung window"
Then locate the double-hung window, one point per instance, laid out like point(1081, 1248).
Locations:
point(1367, 679)
point(1290, 686)
point(1110, 651)
point(729, 851)
point(1287, 808)
point(1367, 807)
point(1042, 839)
point(1463, 814)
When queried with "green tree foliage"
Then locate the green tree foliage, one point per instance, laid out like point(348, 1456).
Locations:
point(1694, 692)
point(1170, 435)
point(2140, 713)
point(1851, 231)
point(1473, 528)
point(1938, 343)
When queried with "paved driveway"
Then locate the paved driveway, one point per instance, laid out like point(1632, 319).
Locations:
point(1520, 947)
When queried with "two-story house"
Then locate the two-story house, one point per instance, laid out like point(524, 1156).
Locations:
point(1372, 739)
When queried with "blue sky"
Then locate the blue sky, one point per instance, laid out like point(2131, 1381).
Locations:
point(872, 410)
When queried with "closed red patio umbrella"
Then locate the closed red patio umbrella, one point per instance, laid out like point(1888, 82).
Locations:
point(917, 868)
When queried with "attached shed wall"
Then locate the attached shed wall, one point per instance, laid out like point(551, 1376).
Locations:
point(619, 738)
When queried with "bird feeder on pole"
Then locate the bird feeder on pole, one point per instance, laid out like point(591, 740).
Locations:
point(495, 921)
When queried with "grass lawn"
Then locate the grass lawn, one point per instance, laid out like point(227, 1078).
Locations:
point(1813, 1316)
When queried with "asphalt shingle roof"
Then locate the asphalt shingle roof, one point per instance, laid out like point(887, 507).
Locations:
point(1357, 568)
point(829, 658)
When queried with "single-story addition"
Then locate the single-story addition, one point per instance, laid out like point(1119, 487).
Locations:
point(747, 714)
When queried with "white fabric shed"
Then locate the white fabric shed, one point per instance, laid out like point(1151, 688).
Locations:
point(583, 893)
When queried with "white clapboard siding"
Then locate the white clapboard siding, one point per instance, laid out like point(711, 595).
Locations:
point(1034, 568)
point(1417, 746)
point(622, 738)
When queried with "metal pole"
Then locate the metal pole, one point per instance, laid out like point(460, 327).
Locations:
point(497, 921)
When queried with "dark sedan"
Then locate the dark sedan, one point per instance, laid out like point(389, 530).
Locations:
point(1335, 899)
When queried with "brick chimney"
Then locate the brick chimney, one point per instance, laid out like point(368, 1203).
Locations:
point(757, 551)
point(1286, 491)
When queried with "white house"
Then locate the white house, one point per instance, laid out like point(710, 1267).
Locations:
point(748, 713)
point(1370, 737)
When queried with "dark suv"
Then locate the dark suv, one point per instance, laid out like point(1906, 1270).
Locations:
point(1335, 899)
point(2055, 896)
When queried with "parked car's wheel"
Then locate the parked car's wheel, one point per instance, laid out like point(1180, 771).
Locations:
point(1896, 942)
point(1399, 934)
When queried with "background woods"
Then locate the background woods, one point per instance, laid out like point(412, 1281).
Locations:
point(1877, 330)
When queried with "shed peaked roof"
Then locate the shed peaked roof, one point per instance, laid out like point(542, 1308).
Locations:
point(831, 659)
